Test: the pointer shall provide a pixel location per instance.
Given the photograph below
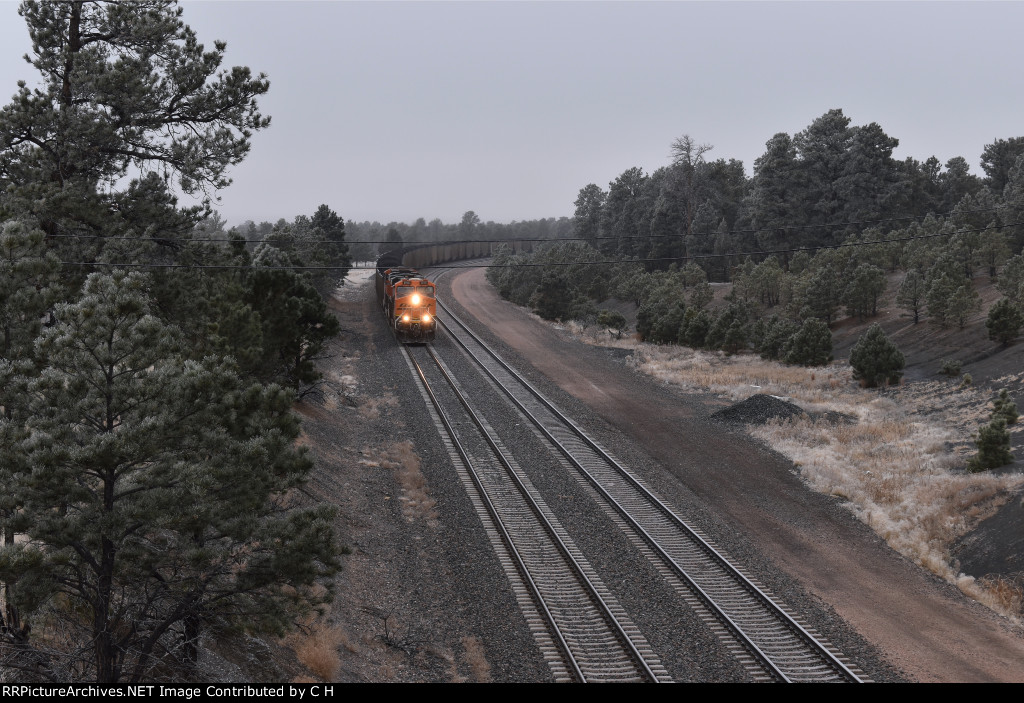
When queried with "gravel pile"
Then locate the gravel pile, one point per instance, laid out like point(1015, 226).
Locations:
point(759, 409)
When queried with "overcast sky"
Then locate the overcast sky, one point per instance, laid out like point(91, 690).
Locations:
point(391, 111)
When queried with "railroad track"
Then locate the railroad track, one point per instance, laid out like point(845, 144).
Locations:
point(771, 643)
point(583, 633)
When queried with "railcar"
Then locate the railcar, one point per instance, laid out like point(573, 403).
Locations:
point(409, 303)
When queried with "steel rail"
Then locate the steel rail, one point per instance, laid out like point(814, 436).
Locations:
point(837, 666)
point(562, 548)
point(498, 522)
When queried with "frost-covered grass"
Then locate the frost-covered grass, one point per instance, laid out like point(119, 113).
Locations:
point(899, 462)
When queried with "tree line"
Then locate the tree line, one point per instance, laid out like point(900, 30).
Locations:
point(149, 361)
point(828, 220)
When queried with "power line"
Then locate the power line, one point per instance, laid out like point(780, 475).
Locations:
point(221, 240)
point(764, 254)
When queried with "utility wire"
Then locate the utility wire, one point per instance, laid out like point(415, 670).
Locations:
point(222, 240)
point(764, 254)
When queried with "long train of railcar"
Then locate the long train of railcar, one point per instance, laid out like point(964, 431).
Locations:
point(424, 255)
point(409, 302)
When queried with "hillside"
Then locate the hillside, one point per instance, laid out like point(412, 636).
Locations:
point(912, 487)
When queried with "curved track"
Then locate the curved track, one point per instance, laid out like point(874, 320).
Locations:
point(770, 642)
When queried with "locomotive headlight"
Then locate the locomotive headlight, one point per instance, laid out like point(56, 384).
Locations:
point(416, 299)
point(426, 317)
point(405, 318)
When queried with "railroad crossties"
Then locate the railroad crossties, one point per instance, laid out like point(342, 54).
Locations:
point(439, 596)
point(585, 634)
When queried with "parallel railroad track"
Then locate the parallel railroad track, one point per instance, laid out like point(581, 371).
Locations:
point(770, 642)
point(583, 633)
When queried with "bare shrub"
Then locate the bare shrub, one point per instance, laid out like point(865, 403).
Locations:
point(318, 650)
point(1007, 594)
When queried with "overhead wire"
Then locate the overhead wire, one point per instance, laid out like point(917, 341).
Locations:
point(755, 230)
point(764, 254)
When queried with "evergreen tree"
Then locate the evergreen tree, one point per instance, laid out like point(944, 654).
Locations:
point(911, 294)
point(127, 90)
point(729, 329)
point(993, 442)
point(777, 191)
point(155, 500)
point(940, 293)
point(998, 159)
point(1011, 280)
point(697, 325)
point(323, 244)
point(551, 300)
point(1005, 408)
point(822, 294)
point(778, 332)
point(863, 291)
point(588, 213)
point(875, 359)
point(296, 324)
point(964, 302)
point(147, 478)
point(811, 345)
point(1004, 321)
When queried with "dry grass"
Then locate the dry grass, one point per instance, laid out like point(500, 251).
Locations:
point(899, 464)
point(476, 659)
point(401, 457)
point(454, 675)
point(370, 408)
point(317, 650)
point(416, 499)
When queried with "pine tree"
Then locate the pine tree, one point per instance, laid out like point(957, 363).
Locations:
point(964, 302)
point(1011, 279)
point(823, 294)
point(550, 300)
point(1005, 408)
point(147, 478)
point(156, 496)
point(875, 359)
point(777, 337)
point(863, 290)
point(811, 345)
point(296, 324)
point(911, 294)
point(940, 292)
point(1004, 321)
point(993, 442)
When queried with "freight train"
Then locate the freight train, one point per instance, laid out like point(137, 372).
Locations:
point(396, 276)
point(409, 302)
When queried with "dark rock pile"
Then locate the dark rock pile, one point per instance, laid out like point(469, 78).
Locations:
point(758, 409)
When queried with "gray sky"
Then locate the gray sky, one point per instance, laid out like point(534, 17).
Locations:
point(398, 110)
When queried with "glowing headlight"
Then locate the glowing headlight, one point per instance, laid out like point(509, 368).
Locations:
point(405, 318)
point(416, 299)
point(426, 317)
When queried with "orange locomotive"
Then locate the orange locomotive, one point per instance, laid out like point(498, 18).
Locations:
point(409, 302)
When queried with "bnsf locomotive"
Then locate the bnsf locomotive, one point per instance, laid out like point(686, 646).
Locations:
point(409, 303)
